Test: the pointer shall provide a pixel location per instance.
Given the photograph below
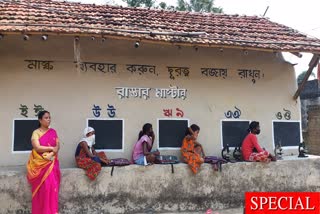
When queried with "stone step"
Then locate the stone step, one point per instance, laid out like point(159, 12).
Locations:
point(225, 211)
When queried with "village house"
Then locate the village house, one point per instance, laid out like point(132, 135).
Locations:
point(310, 107)
point(310, 96)
point(116, 68)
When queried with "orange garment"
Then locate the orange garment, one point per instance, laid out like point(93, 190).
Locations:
point(37, 166)
point(90, 165)
point(191, 154)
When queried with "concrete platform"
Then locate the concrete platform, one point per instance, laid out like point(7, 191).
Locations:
point(227, 211)
point(154, 189)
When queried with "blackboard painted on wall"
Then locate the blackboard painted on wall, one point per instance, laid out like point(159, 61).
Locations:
point(171, 132)
point(22, 132)
point(233, 132)
point(109, 133)
point(286, 133)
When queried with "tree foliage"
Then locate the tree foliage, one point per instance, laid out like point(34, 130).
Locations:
point(301, 76)
point(198, 6)
point(140, 3)
point(182, 5)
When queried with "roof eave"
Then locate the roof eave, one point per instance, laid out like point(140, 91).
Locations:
point(177, 43)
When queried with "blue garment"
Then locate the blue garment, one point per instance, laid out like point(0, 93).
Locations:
point(141, 160)
point(96, 159)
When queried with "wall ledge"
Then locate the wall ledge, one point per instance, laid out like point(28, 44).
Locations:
point(141, 189)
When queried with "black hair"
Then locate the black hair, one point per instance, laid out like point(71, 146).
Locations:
point(194, 128)
point(253, 125)
point(146, 127)
point(40, 116)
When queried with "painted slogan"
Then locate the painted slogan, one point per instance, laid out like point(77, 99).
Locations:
point(174, 72)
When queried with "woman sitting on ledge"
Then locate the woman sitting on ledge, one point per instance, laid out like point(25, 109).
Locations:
point(86, 156)
point(191, 150)
point(142, 154)
point(251, 150)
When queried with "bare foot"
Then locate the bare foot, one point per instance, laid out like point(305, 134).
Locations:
point(106, 161)
point(201, 160)
point(273, 158)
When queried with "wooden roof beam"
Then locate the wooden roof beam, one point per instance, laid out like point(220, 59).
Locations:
point(313, 63)
point(297, 54)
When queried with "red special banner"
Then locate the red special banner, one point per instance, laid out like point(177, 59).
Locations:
point(282, 202)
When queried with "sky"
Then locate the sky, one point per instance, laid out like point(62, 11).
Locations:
point(303, 16)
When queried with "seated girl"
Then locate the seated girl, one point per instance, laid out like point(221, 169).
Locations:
point(86, 156)
point(192, 151)
point(251, 150)
point(142, 154)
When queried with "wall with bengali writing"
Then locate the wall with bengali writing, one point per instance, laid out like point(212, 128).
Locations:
point(116, 80)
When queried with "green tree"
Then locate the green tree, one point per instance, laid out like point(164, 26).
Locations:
point(198, 6)
point(163, 5)
point(149, 3)
point(140, 3)
point(182, 5)
point(301, 76)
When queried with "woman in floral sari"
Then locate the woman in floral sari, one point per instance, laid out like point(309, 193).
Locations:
point(43, 167)
point(86, 156)
point(191, 150)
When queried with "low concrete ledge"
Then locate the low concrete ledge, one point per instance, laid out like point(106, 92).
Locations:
point(139, 189)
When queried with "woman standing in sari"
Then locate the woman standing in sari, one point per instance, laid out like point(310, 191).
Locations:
point(191, 150)
point(43, 167)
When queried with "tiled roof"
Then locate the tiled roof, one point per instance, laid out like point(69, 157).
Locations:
point(185, 28)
